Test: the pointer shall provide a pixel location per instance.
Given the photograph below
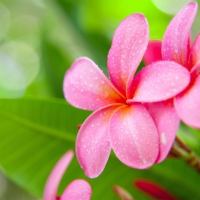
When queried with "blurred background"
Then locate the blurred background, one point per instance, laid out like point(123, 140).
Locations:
point(39, 39)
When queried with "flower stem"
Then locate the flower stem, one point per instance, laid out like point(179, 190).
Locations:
point(181, 150)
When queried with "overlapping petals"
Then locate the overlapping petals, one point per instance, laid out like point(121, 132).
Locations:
point(153, 52)
point(86, 87)
point(167, 123)
point(130, 126)
point(93, 144)
point(159, 81)
point(188, 103)
point(121, 122)
point(78, 189)
point(176, 47)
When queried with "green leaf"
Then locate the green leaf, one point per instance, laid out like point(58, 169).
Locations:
point(33, 136)
point(36, 132)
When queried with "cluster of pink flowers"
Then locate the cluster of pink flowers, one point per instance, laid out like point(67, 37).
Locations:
point(136, 114)
point(176, 46)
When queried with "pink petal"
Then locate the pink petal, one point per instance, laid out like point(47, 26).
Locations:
point(175, 41)
point(153, 189)
point(56, 175)
point(93, 144)
point(85, 86)
point(195, 52)
point(134, 137)
point(128, 46)
point(187, 104)
point(159, 81)
point(153, 52)
point(195, 70)
point(167, 123)
point(77, 190)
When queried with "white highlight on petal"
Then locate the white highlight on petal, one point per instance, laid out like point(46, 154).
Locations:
point(163, 138)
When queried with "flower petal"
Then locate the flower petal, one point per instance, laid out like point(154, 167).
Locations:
point(159, 81)
point(195, 52)
point(128, 46)
point(153, 189)
point(134, 137)
point(153, 52)
point(85, 86)
point(92, 144)
point(167, 123)
point(122, 193)
point(77, 190)
point(195, 70)
point(187, 104)
point(56, 175)
point(175, 41)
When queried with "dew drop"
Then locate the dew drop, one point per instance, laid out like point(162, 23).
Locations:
point(163, 138)
point(177, 77)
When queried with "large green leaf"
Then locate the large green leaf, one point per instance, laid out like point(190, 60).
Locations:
point(33, 136)
point(36, 132)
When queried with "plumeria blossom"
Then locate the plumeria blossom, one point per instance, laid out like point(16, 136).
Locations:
point(120, 121)
point(176, 46)
point(76, 190)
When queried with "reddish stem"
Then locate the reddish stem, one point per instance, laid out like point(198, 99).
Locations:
point(181, 150)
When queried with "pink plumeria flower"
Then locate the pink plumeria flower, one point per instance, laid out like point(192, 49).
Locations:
point(120, 120)
point(76, 190)
point(176, 47)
